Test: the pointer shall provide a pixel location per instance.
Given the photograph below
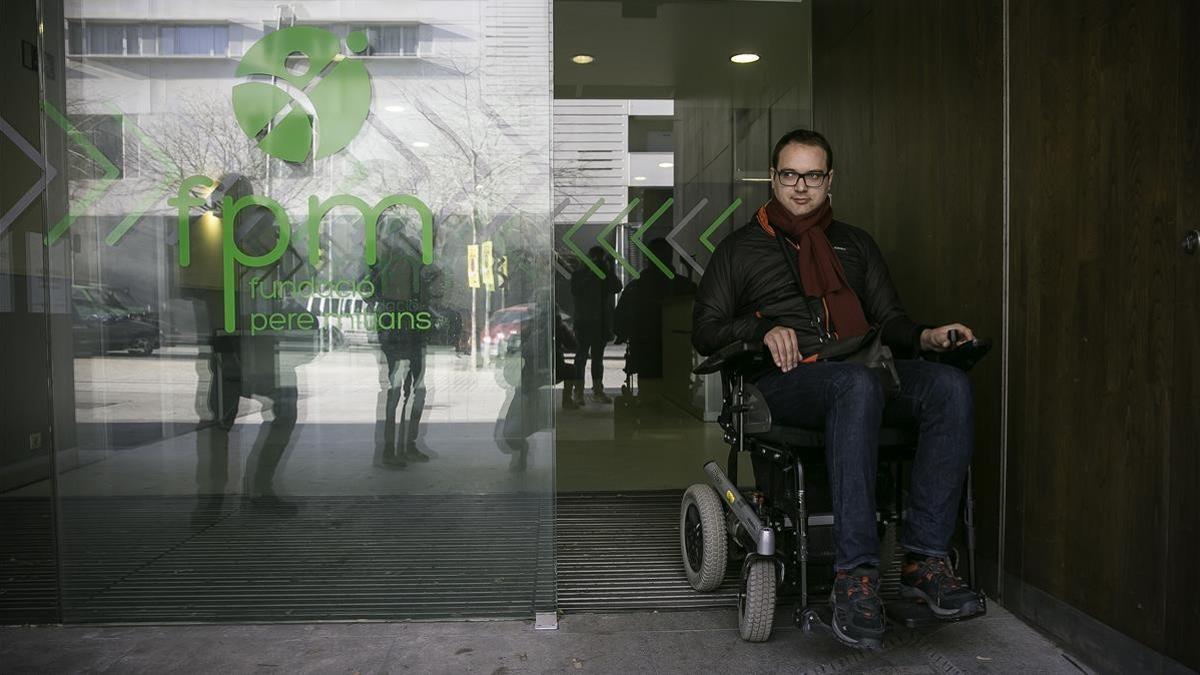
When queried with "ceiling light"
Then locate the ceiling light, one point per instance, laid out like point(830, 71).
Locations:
point(394, 108)
point(665, 165)
point(639, 178)
point(583, 58)
point(744, 58)
point(420, 144)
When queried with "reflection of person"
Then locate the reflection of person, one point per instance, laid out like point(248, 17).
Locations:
point(749, 293)
point(402, 285)
point(240, 365)
point(639, 318)
point(593, 324)
point(528, 409)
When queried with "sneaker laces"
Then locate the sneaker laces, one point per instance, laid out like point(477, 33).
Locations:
point(938, 571)
point(861, 587)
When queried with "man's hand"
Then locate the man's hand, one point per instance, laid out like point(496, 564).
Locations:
point(781, 341)
point(938, 339)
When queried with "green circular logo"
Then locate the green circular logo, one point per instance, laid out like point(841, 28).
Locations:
point(337, 89)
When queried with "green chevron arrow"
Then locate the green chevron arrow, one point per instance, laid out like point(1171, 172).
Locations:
point(637, 239)
point(102, 185)
point(575, 248)
point(717, 223)
point(609, 248)
point(163, 188)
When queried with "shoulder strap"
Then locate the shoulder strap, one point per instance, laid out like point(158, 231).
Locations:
point(814, 309)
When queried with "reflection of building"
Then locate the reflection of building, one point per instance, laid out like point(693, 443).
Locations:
point(616, 151)
point(224, 429)
point(150, 84)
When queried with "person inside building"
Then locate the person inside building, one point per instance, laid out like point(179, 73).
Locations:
point(595, 301)
point(639, 314)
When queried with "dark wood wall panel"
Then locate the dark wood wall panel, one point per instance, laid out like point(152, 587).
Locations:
point(1104, 433)
point(910, 96)
point(1182, 617)
point(1096, 147)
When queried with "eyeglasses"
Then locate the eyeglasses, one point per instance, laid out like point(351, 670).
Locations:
point(812, 179)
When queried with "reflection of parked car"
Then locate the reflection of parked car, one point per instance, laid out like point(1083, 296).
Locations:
point(346, 320)
point(503, 333)
point(109, 320)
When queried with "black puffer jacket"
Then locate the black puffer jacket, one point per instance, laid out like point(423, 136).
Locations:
point(747, 289)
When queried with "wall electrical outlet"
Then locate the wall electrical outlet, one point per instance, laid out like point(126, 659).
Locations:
point(35, 440)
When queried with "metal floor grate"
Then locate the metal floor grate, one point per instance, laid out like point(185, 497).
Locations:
point(28, 579)
point(309, 559)
point(620, 551)
point(162, 560)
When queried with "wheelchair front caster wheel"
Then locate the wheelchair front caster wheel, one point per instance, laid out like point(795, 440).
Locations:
point(756, 606)
point(702, 538)
point(808, 620)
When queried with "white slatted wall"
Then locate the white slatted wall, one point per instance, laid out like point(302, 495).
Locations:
point(591, 141)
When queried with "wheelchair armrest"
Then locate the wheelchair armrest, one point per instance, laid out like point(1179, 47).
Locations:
point(735, 356)
point(966, 355)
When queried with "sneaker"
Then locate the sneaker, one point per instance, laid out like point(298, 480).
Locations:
point(932, 580)
point(390, 459)
point(599, 396)
point(415, 455)
point(857, 608)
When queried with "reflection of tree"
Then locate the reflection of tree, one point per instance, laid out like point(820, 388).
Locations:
point(484, 170)
point(200, 135)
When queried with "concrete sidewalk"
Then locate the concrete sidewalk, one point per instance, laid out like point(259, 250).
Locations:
point(628, 643)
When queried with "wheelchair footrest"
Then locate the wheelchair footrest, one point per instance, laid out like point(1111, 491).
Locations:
point(915, 614)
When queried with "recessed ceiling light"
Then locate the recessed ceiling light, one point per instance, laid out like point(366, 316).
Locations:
point(394, 108)
point(420, 144)
point(639, 178)
point(583, 58)
point(744, 58)
point(665, 165)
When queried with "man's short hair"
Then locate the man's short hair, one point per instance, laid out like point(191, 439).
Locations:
point(803, 137)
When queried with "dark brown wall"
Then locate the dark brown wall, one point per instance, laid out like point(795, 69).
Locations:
point(1104, 392)
point(1183, 513)
point(911, 98)
point(1102, 506)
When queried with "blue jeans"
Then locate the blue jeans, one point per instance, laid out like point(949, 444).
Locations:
point(846, 400)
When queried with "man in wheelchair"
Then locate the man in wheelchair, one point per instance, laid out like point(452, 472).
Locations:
point(798, 281)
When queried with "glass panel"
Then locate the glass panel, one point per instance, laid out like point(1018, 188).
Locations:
point(132, 46)
point(28, 360)
point(660, 143)
point(657, 158)
point(391, 40)
point(195, 40)
point(284, 402)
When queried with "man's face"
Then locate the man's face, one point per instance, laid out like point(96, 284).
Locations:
point(795, 161)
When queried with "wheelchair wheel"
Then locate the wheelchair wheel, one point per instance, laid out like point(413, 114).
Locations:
point(702, 537)
point(756, 606)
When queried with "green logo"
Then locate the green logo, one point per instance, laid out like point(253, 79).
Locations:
point(337, 88)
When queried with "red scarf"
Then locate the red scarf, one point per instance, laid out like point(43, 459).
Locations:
point(820, 269)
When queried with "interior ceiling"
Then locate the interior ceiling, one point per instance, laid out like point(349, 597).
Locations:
point(652, 49)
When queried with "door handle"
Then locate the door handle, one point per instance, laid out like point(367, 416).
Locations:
point(1191, 242)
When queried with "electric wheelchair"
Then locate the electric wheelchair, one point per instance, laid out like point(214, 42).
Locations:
point(773, 533)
